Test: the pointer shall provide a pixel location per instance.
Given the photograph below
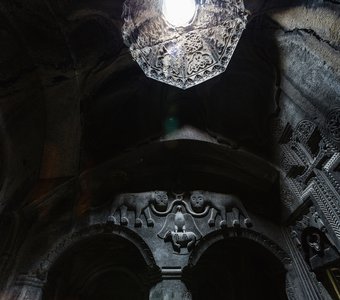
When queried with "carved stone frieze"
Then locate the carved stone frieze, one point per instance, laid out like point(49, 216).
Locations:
point(182, 216)
point(220, 204)
point(139, 203)
point(180, 228)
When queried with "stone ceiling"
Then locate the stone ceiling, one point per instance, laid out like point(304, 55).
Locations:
point(71, 97)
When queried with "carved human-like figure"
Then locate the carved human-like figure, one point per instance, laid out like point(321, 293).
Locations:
point(220, 203)
point(139, 203)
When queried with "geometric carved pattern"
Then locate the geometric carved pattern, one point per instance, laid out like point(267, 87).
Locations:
point(333, 124)
point(183, 56)
point(304, 129)
point(329, 203)
point(307, 170)
point(334, 160)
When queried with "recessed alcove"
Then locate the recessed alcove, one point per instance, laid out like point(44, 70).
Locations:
point(237, 268)
point(102, 267)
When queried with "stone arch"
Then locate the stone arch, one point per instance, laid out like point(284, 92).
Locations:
point(101, 266)
point(41, 270)
point(249, 234)
point(235, 257)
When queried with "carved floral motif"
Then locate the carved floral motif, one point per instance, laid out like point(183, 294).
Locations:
point(183, 56)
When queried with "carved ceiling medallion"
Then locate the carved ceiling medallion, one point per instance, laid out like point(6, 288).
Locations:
point(183, 49)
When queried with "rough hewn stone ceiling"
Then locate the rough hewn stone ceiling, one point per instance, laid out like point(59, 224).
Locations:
point(71, 96)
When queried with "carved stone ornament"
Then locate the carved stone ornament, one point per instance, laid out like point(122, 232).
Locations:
point(139, 203)
point(180, 214)
point(304, 130)
point(219, 204)
point(333, 124)
point(309, 161)
point(310, 235)
point(180, 228)
point(189, 54)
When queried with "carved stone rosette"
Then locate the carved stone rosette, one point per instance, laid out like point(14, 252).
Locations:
point(183, 56)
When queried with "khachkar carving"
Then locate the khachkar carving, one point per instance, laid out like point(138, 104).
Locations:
point(311, 237)
point(303, 150)
point(309, 161)
point(181, 214)
point(333, 124)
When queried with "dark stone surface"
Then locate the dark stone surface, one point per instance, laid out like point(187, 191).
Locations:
point(80, 123)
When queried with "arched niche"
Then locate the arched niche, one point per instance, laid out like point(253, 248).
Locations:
point(237, 266)
point(104, 266)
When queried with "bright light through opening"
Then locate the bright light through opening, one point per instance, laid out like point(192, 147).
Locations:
point(179, 13)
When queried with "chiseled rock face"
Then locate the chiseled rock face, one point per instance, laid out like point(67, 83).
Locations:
point(309, 44)
point(323, 21)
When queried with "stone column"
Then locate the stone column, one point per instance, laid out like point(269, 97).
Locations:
point(171, 287)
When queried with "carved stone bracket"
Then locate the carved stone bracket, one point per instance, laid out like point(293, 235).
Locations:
point(311, 237)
